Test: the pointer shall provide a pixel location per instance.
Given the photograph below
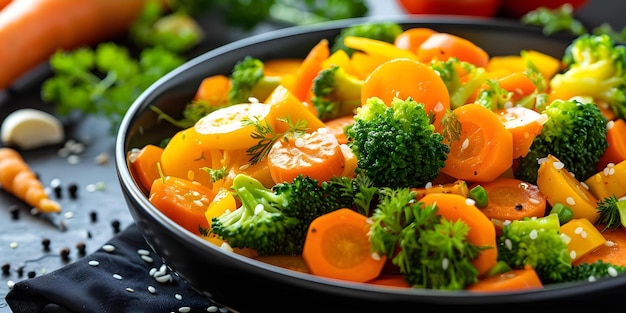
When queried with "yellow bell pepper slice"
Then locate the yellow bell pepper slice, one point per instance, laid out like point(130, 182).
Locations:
point(581, 237)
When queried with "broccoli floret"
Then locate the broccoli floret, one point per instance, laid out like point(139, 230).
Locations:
point(536, 242)
point(335, 93)
point(596, 67)
point(575, 133)
point(460, 90)
point(396, 145)
point(430, 251)
point(275, 220)
point(248, 79)
point(592, 271)
point(384, 31)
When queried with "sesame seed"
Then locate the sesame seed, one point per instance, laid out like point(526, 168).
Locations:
point(146, 258)
point(465, 144)
point(610, 124)
point(143, 252)
point(68, 215)
point(73, 159)
point(151, 289)
point(178, 296)
point(609, 243)
point(13, 245)
point(445, 263)
point(375, 256)
point(591, 279)
point(429, 185)
point(108, 248)
point(10, 284)
point(570, 201)
point(184, 309)
point(94, 263)
point(572, 254)
point(558, 165)
point(212, 309)
point(578, 230)
point(130, 289)
point(533, 234)
point(439, 107)
point(612, 271)
point(163, 278)
point(117, 276)
point(508, 244)
point(533, 201)
point(469, 201)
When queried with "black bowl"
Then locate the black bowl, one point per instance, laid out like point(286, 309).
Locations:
point(246, 285)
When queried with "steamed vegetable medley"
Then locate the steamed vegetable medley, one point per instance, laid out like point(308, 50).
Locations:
point(407, 158)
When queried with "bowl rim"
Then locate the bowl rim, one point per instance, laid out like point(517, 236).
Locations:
point(463, 296)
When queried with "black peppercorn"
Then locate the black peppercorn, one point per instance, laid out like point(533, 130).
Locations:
point(94, 216)
point(31, 274)
point(65, 254)
point(6, 267)
point(73, 189)
point(116, 226)
point(81, 248)
point(46, 244)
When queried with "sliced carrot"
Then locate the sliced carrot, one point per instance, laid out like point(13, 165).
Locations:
point(514, 280)
point(337, 246)
point(316, 154)
point(214, 90)
point(338, 126)
point(412, 38)
point(442, 46)
point(403, 78)
point(616, 152)
point(560, 186)
point(513, 199)
point(613, 251)
point(524, 125)
point(482, 232)
point(17, 178)
point(308, 70)
point(485, 148)
point(144, 165)
point(183, 201)
point(458, 187)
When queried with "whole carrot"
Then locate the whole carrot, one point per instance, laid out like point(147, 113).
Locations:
point(17, 178)
point(32, 30)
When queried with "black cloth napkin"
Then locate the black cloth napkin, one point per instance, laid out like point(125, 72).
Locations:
point(121, 276)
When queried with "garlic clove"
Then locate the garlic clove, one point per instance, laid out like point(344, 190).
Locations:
point(30, 129)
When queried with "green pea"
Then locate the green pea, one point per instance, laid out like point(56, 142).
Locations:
point(564, 213)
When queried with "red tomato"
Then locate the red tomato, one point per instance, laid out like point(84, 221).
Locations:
point(486, 8)
point(517, 8)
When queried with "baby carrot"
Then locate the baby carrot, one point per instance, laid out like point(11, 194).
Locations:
point(482, 232)
point(485, 148)
point(17, 178)
point(36, 29)
point(337, 246)
point(316, 154)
